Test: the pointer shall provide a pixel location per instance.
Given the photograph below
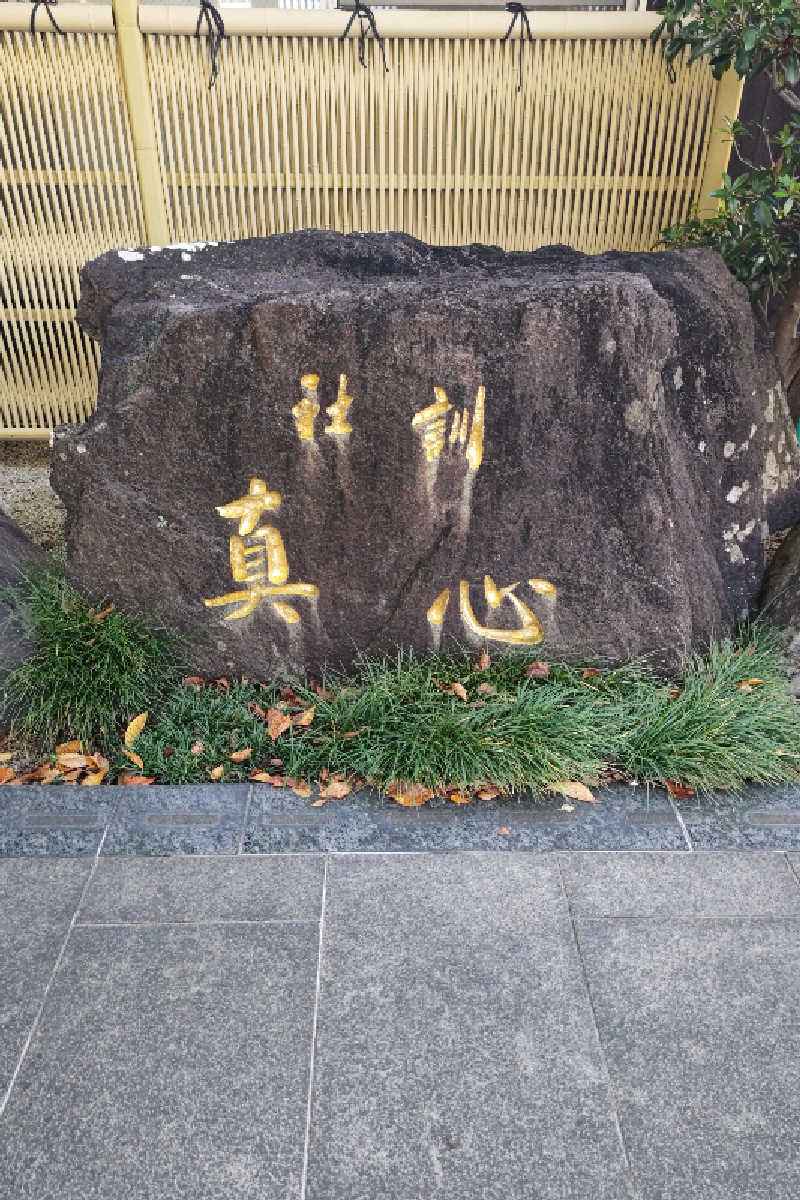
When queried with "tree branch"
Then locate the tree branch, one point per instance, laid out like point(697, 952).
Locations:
point(789, 97)
point(787, 343)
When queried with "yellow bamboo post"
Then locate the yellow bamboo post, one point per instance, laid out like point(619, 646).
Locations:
point(140, 112)
point(729, 95)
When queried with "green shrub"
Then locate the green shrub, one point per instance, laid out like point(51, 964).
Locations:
point(91, 666)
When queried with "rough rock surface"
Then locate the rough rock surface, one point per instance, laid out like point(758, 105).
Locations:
point(780, 601)
point(17, 555)
point(635, 449)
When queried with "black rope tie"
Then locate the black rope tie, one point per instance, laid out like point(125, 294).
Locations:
point(366, 21)
point(525, 34)
point(216, 32)
point(45, 4)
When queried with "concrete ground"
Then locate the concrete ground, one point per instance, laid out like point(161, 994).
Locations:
point(221, 992)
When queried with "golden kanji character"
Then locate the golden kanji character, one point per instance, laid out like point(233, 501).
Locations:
point(529, 632)
point(306, 409)
point(433, 423)
point(258, 558)
point(475, 444)
point(248, 509)
point(338, 411)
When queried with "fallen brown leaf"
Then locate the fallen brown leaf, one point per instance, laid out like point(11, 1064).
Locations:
point(106, 612)
point(241, 755)
point(673, 693)
point(70, 777)
point(135, 727)
point(408, 795)
point(679, 791)
point(71, 762)
point(126, 778)
point(93, 778)
point(134, 758)
point(537, 670)
point(6, 756)
point(503, 831)
point(589, 672)
point(222, 685)
point(192, 681)
point(459, 690)
point(486, 688)
point(257, 711)
point(319, 803)
point(265, 777)
point(489, 792)
point(321, 691)
point(458, 798)
point(483, 662)
point(301, 788)
point(573, 789)
point(73, 747)
point(277, 722)
point(6, 774)
point(43, 774)
point(276, 762)
point(337, 789)
point(196, 748)
point(216, 772)
point(305, 718)
point(747, 685)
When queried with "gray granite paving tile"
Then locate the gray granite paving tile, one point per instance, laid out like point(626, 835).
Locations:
point(623, 818)
point(191, 888)
point(456, 1051)
point(759, 818)
point(37, 900)
point(736, 884)
point(57, 820)
point(205, 819)
point(171, 1061)
point(698, 1019)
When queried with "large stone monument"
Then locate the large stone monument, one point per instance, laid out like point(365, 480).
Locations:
point(313, 445)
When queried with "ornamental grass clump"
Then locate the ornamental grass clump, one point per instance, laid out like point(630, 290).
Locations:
point(91, 666)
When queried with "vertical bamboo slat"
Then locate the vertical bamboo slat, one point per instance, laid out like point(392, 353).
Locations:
point(68, 191)
point(598, 150)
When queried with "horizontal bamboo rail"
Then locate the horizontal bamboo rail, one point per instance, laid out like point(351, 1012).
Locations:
point(110, 136)
point(403, 23)
point(72, 18)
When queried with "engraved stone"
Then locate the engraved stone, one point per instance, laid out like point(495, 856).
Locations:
point(175, 819)
point(346, 443)
point(61, 820)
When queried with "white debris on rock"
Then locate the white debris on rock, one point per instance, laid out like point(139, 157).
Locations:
point(737, 491)
point(130, 255)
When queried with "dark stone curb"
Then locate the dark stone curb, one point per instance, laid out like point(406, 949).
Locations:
point(257, 819)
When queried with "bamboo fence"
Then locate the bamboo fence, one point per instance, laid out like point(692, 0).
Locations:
point(111, 136)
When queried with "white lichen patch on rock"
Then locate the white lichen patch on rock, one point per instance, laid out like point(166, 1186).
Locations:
point(737, 491)
point(734, 552)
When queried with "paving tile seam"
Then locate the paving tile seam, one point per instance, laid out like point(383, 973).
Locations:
point(314, 1025)
point(190, 924)
point(682, 823)
point(245, 815)
point(612, 1094)
point(4, 1100)
point(792, 868)
point(677, 915)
